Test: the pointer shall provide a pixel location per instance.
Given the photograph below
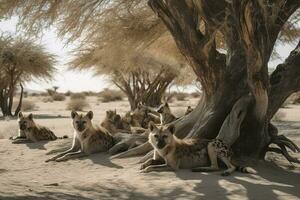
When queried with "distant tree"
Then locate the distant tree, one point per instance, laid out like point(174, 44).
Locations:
point(20, 61)
point(55, 88)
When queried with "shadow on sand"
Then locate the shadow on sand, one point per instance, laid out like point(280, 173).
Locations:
point(271, 182)
point(37, 116)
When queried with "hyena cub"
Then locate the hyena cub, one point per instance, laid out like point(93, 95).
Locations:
point(177, 153)
point(87, 139)
point(29, 131)
point(113, 122)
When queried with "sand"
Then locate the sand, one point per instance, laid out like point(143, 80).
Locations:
point(25, 175)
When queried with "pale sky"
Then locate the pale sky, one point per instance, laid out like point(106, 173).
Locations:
point(81, 81)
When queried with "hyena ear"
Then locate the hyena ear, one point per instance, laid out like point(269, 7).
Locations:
point(20, 115)
point(90, 115)
point(30, 116)
point(152, 126)
point(74, 114)
point(166, 104)
point(171, 128)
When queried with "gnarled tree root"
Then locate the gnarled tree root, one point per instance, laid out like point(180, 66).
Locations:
point(136, 151)
point(125, 142)
point(283, 143)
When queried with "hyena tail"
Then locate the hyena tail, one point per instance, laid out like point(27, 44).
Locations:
point(63, 137)
point(248, 170)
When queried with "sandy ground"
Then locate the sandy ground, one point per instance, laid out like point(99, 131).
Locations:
point(25, 175)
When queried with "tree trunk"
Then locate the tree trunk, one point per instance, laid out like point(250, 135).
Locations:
point(18, 109)
point(250, 36)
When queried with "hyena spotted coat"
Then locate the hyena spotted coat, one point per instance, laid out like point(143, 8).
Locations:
point(87, 139)
point(29, 131)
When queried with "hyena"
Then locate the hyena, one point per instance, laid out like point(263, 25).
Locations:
point(29, 131)
point(87, 139)
point(114, 123)
point(176, 153)
point(166, 115)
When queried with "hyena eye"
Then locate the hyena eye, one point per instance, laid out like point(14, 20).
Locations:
point(84, 122)
point(156, 136)
point(164, 136)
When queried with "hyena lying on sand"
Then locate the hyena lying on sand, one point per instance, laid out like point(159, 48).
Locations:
point(29, 131)
point(182, 154)
point(114, 123)
point(87, 139)
point(177, 153)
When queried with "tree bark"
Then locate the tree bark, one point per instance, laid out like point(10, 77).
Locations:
point(18, 109)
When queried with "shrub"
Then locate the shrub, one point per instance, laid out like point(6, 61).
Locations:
point(47, 99)
point(78, 96)
point(195, 94)
point(181, 96)
point(58, 97)
point(77, 104)
point(68, 93)
point(28, 105)
point(111, 95)
point(34, 94)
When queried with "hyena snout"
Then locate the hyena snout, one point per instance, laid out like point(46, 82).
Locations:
point(81, 126)
point(160, 143)
point(22, 126)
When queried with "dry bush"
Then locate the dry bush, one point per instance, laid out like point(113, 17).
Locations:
point(180, 96)
point(77, 104)
point(58, 97)
point(195, 94)
point(110, 95)
point(34, 94)
point(90, 93)
point(28, 105)
point(47, 99)
point(68, 93)
point(78, 96)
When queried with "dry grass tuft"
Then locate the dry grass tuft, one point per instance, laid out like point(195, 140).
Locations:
point(77, 104)
point(58, 97)
point(110, 95)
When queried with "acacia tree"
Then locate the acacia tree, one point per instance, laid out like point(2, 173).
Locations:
point(143, 75)
point(248, 30)
point(20, 61)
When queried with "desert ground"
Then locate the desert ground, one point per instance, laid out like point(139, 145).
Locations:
point(25, 175)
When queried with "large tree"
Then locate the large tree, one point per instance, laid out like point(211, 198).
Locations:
point(20, 61)
point(247, 31)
